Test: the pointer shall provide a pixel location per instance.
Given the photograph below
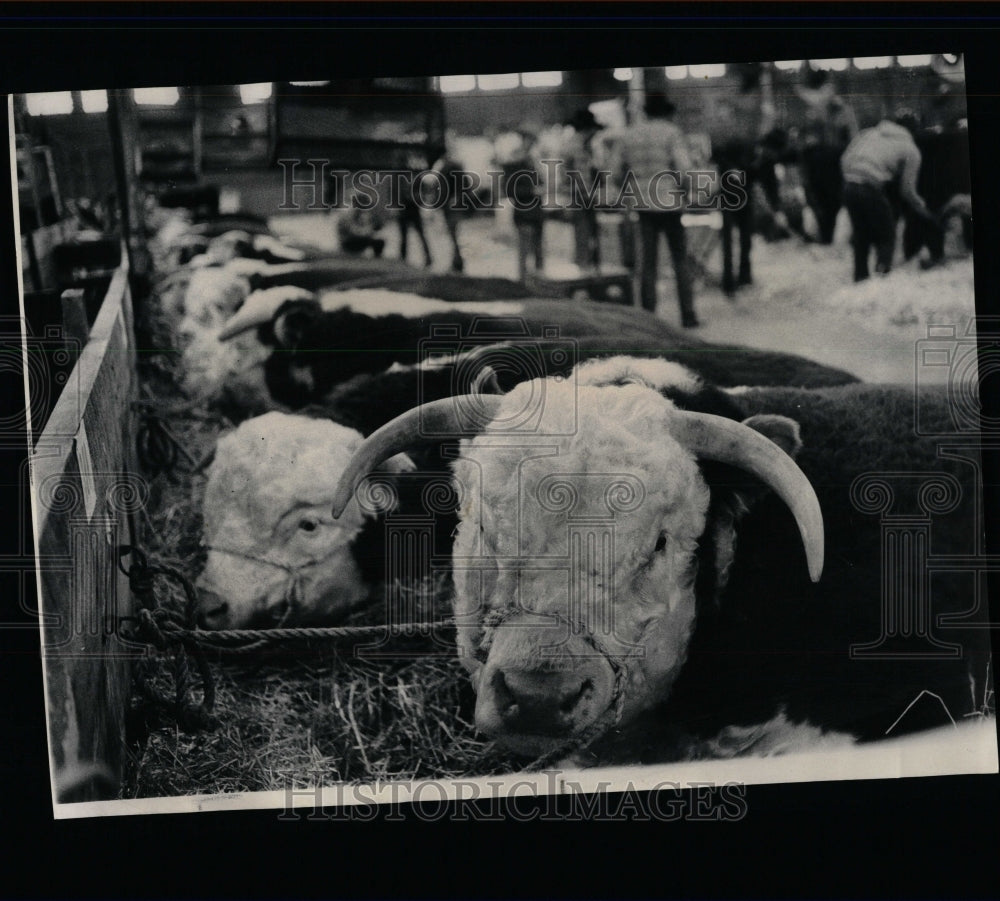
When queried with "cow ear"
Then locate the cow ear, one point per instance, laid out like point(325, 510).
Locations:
point(780, 429)
point(733, 494)
point(293, 321)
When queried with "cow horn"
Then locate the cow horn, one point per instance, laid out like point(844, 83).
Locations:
point(262, 306)
point(433, 421)
point(486, 382)
point(725, 441)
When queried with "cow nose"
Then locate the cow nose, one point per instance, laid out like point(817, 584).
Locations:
point(535, 702)
point(213, 611)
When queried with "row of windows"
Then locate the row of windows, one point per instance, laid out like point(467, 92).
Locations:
point(60, 103)
point(463, 83)
point(453, 83)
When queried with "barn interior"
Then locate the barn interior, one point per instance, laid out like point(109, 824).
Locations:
point(121, 194)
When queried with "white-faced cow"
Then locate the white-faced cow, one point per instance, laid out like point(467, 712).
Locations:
point(320, 343)
point(364, 404)
point(275, 553)
point(600, 586)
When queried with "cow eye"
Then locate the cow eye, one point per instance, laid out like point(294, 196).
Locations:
point(661, 543)
point(307, 525)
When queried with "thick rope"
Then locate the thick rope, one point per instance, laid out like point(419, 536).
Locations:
point(165, 628)
point(161, 626)
point(241, 640)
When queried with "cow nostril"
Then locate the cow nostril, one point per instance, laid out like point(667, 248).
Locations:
point(212, 617)
point(505, 701)
point(573, 699)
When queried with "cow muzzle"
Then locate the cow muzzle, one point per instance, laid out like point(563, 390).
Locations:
point(533, 709)
point(213, 610)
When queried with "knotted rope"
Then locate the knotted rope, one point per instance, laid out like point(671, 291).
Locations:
point(166, 628)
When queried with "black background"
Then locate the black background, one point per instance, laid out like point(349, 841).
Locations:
point(920, 838)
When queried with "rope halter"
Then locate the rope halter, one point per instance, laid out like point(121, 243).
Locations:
point(608, 719)
point(294, 594)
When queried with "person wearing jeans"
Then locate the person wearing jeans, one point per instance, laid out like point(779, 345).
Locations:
point(876, 164)
point(651, 225)
point(647, 151)
point(872, 225)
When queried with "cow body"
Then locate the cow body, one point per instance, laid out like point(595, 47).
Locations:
point(602, 567)
point(346, 333)
point(819, 654)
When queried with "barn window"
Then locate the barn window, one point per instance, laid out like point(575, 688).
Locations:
point(94, 101)
point(676, 72)
point(157, 96)
point(872, 62)
point(622, 74)
point(832, 65)
point(452, 83)
point(541, 79)
point(788, 65)
point(498, 82)
point(255, 93)
point(919, 60)
point(714, 70)
point(52, 103)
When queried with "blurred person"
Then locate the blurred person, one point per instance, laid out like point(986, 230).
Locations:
point(879, 161)
point(507, 149)
point(740, 144)
point(522, 188)
point(830, 125)
point(410, 216)
point(579, 156)
point(645, 150)
point(450, 171)
point(358, 229)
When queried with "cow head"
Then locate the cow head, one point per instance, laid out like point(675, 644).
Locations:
point(213, 295)
point(575, 561)
point(284, 311)
point(275, 554)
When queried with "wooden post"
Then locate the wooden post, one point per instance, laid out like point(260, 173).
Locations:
point(122, 131)
point(76, 329)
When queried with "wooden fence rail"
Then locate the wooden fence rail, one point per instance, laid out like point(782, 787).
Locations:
point(84, 491)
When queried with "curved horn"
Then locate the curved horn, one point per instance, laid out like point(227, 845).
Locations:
point(433, 421)
point(486, 382)
point(262, 306)
point(726, 441)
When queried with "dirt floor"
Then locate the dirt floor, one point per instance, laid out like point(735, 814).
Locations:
point(803, 299)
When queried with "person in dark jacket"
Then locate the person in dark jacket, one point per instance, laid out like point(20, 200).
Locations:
point(410, 216)
point(830, 125)
point(450, 172)
point(578, 156)
point(523, 189)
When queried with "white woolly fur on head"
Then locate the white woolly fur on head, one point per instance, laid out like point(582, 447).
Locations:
point(268, 498)
point(653, 372)
point(588, 436)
